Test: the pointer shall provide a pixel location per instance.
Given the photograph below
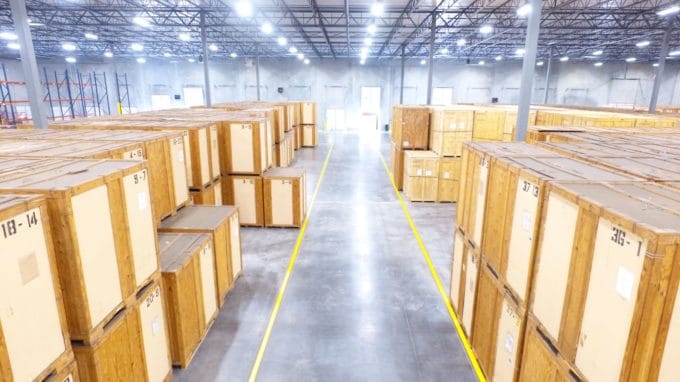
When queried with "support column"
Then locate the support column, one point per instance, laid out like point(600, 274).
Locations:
point(430, 72)
point(659, 70)
point(257, 71)
point(28, 63)
point(206, 70)
point(403, 65)
point(547, 76)
point(528, 66)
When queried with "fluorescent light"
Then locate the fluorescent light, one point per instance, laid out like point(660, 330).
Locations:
point(364, 50)
point(244, 8)
point(368, 41)
point(631, 59)
point(141, 21)
point(137, 47)
point(233, 55)
point(444, 51)
point(300, 56)
point(167, 54)
point(267, 28)
point(141, 60)
point(540, 63)
point(31, 23)
point(461, 42)
point(377, 9)
point(642, 44)
point(524, 10)
point(282, 41)
point(108, 54)
point(362, 62)
point(423, 62)
point(564, 59)
point(656, 64)
point(520, 52)
point(371, 28)
point(184, 37)
point(191, 60)
point(8, 36)
point(213, 48)
point(481, 62)
point(498, 58)
point(13, 45)
point(69, 47)
point(674, 53)
point(597, 64)
point(597, 53)
point(91, 36)
point(669, 11)
point(486, 29)
point(71, 60)
point(306, 61)
point(292, 50)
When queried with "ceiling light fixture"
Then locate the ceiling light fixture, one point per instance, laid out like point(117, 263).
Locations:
point(656, 64)
point(267, 28)
point(233, 55)
point(8, 36)
point(481, 62)
point(371, 28)
point(597, 64)
point(540, 63)
point(520, 52)
point(14, 46)
point(108, 54)
point(141, 60)
point(141, 21)
point(191, 60)
point(167, 54)
point(71, 60)
point(642, 44)
point(213, 48)
point(669, 11)
point(69, 47)
point(282, 41)
point(137, 47)
point(377, 9)
point(184, 37)
point(91, 36)
point(631, 59)
point(597, 53)
point(244, 8)
point(444, 51)
point(461, 42)
point(499, 58)
point(368, 41)
point(486, 29)
point(423, 62)
point(292, 50)
point(564, 59)
point(524, 10)
point(674, 53)
point(300, 56)
point(306, 61)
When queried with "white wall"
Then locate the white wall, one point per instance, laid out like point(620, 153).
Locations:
point(337, 83)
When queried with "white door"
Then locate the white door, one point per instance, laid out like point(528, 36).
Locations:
point(370, 107)
point(193, 96)
point(442, 96)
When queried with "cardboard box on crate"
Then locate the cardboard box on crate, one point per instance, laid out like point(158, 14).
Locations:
point(421, 175)
point(133, 347)
point(189, 285)
point(410, 126)
point(164, 152)
point(222, 223)
point(450, 128)
point(605, 303)
point(284, 197)
point(33, 327)
point(245, 191)
point(103, 230)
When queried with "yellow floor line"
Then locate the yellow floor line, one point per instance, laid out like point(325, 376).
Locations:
point(435, 276)
point(289, 271)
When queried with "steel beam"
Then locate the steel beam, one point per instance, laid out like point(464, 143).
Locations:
point(528, 68)
point(257, 72)
point(547, 75)
point(403, 66)
point(430, 69)
point(206, 68)
point(659, 70)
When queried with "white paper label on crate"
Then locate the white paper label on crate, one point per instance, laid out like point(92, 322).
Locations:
point(624, 283)
point(155, 326)
point(419, 172)
point(428, 173)
point(446, 175)
point(143, 201)
point(509, 342)
point(28, 268)
point(406, 144)
point(526, 220)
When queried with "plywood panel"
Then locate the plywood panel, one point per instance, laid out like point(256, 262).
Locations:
point(140, 222)
point(208, 282)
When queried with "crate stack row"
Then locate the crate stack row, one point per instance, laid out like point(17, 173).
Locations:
point(565, 257)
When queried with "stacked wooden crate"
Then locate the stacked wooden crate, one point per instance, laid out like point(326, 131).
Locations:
point(549, 256)
point(410, 131)
point(308, 124)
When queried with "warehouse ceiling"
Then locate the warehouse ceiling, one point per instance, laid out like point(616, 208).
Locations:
point(171, 29)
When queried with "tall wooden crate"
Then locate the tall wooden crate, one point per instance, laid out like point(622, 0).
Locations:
point(410, 126)
point(449, 179)
point(245, 147)
point(284, 192)
point(222, 223)
point(464, 279)
point(210, 195)
point(189, 286)
point(246, 193)
point(450, 128)
point(134, 347)
point(33, 329)
point(397, 165)
point(308, 114)
point(421, 175)
point(103, 232)
point(310, 135)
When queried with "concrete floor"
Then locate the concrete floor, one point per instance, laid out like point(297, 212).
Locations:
point(361, 303)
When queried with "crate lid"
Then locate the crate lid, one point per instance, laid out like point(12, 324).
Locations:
point(177, 248)
point(62, 148)
point(421, 154)
point(509, 149)
point(284, 172)
point(564, 168)
point(11, 200)
point(198, 218)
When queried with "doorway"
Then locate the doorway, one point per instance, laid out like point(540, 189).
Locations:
point(369, 117)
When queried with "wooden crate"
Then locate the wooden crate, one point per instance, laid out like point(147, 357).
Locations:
point(488, 124)
point(397, 165)
point(189, 286)
point(134, 347)
point(245, 192)
point(514, 203)
point(464, 278)
point(290, 116)
point(210, 195)
point(474, 179)
point(33, 329)
point(284, 192)
point(309, 135)
point(449, 179)
point(449, 129)
point(43, 148)
point(103, 231)
point(298, 136)
point(290, 137)
point(498, 327)
point(284, 151)
point(68, 373)
point(541, 360)
point(421, 175)
point(600, 290)
point(308, 114)
point(245, 147)
point(222, 223)
point(410, 126)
